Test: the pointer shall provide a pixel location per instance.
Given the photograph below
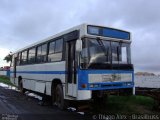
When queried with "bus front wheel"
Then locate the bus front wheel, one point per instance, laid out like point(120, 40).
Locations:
point(59, 97)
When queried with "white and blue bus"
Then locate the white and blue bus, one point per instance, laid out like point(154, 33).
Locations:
point(78, 64)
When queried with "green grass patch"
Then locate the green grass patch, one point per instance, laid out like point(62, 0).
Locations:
point(130, 104)
point(126, 105)
point(5, 80)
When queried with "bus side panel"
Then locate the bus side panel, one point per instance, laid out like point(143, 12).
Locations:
point(38, 77)
point(48, 88)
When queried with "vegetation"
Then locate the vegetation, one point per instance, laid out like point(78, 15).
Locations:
point(127, 105)
point(131, 104)
point(5, 80)
point(8, 58)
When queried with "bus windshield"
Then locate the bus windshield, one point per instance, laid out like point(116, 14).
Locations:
point(98, 52)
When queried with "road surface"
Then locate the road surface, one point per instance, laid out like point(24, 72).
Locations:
point(16, 106)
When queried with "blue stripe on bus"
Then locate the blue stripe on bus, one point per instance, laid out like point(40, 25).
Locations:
point(41, 72)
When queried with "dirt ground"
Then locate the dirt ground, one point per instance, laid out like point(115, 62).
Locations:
point(16, 106)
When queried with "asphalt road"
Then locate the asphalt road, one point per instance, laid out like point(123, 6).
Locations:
point(16, 106)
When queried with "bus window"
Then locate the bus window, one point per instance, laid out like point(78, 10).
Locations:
point(125, 54)
point(31, 55)
point(115, 52)
point(59, 45)
point(24, 57)
point(18, 59)
point(55, 50)
point(51, 47)
point(42, 53)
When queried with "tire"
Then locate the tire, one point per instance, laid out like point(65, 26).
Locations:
point(20, 86)
point(59, 97)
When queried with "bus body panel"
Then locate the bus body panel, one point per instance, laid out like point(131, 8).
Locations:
point(84, 95)
point(37, 77)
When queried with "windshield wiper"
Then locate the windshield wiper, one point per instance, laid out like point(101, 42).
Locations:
point(103, 47)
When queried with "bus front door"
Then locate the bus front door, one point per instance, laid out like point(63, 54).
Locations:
point(71, 69)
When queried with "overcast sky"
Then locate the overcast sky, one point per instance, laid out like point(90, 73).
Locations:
point(24, 22)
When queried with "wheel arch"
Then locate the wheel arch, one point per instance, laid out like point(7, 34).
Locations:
point(55, 82)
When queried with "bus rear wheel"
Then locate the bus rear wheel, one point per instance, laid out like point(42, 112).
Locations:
point(59, 98)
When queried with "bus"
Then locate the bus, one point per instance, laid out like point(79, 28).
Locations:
point(80, 64)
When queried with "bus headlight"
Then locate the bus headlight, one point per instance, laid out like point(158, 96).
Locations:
point(91, 86)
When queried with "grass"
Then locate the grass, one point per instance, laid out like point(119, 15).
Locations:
point(130, 104)
point(5, 80)
point(127, 105)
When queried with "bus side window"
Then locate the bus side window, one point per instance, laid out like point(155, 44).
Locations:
point(51, 51)
point(17, 63)
point(24, 57)
point(42, 53)
point(31, 55)
point(38, 54)
point(59, 46)
point(55, 50)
